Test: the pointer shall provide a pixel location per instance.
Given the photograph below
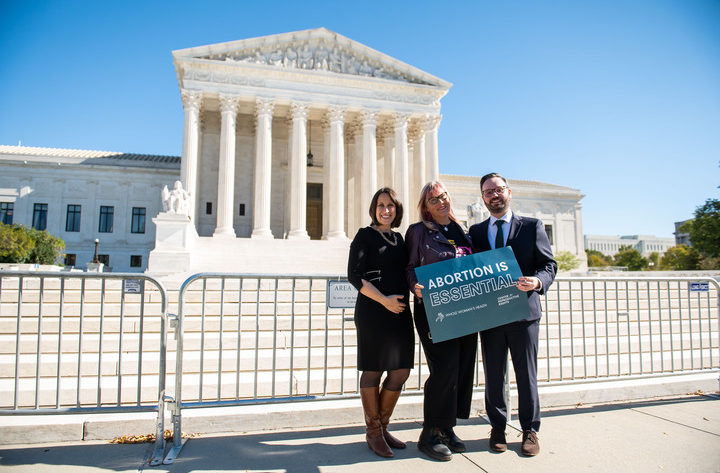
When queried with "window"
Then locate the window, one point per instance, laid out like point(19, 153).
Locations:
point(72, 220)
point(242, 209)
point(6, 212)
point(40, 216)
point(208, 208)
point(548, 230)
point(106, 219)
point(104, 259)
point(70, 259)
point(138, 220)
point(135, 261)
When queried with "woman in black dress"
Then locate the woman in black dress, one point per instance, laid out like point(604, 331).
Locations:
point(376, 267)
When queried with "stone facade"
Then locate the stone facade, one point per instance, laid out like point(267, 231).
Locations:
point(70, 186)
point(558, 207)
point(285, 140)
point(256, 109)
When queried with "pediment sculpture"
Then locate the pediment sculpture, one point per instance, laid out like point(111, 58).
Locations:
point(317, 56)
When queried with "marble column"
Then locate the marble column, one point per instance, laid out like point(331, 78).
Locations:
point(192, 101)
point(298, 169)
point(368, 169)
point(419, 168)
point(432, 172)
point(336, 175)
point(420, 159)
point(402, 184)
point(263, 169)
point(389, 160)
point(579, 239)
point(226, 167)
point(325, 125)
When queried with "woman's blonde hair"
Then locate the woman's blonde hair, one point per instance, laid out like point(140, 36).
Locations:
point(425, 195)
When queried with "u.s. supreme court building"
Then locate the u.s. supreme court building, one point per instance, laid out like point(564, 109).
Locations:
point(286, 138)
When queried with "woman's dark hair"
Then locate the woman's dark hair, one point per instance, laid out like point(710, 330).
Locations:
point(394, 199)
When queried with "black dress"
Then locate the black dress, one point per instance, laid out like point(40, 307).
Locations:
point(385, 340)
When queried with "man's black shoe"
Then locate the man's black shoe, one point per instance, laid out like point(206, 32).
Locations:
point(530, 444)
point(431, 444)
point(452, 441)
point(497, 440)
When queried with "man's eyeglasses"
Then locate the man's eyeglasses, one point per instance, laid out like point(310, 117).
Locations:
point(491, 192)
point(436, 199)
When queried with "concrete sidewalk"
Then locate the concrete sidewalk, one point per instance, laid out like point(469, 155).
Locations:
point(669, 435)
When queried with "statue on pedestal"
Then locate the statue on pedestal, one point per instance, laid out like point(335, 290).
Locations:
point(176, 201)
point(476, 213)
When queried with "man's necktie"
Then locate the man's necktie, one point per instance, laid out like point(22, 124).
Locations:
point(499, 237)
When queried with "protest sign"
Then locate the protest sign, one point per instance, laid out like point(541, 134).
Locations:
point(472, 293)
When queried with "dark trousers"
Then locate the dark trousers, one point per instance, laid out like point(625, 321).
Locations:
point(522, 340)
point(448, 389)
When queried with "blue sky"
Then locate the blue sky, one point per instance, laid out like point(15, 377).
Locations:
point(619, 99)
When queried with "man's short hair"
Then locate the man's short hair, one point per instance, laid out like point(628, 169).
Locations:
point(490, 176)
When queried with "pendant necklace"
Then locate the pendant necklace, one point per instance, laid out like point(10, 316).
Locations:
point(392, 242)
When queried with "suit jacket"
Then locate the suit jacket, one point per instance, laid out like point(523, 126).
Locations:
point(532, 250)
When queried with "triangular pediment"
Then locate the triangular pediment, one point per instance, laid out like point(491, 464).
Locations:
point(319, 50)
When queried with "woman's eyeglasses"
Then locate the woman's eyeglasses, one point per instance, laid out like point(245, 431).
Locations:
point(434, 200)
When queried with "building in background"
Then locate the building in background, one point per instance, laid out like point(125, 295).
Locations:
point(645, 244)
point(81, 196)
point(682, 238)
point(285, 140)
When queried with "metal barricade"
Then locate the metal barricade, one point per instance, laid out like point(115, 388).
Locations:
point(95, 342)
point(263, 338)
point(83, 342)
point(622, 327)
point(259, 338)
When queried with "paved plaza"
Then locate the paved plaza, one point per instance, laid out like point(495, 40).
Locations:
point(677, 434)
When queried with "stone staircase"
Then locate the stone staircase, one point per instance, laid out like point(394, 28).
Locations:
point(290, 344)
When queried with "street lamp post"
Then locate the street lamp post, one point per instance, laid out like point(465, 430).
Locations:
point(95, 258)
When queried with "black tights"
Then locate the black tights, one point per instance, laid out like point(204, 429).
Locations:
point(393, 381)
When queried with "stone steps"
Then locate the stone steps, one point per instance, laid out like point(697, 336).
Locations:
point(276, 331)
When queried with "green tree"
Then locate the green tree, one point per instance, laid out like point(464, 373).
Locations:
point(15, 244)
point(566, 261)
point(680, 257)
point(597, 259)
point(48, 248)
point(704, 229)
point(710, 262)
point(654, 261)
point(19, 244)
point(630, 257)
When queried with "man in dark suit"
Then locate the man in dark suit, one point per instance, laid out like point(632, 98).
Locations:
point(527, 237)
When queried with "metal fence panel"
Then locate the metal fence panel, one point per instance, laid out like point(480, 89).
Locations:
point(82, 342)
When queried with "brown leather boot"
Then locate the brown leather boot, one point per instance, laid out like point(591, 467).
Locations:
point(388, 400)
point(374, 432)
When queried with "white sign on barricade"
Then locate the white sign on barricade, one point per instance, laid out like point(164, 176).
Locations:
point(133, 286)
point(341, 295)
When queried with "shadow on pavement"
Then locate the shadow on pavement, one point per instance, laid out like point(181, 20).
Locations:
point(291, 451)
